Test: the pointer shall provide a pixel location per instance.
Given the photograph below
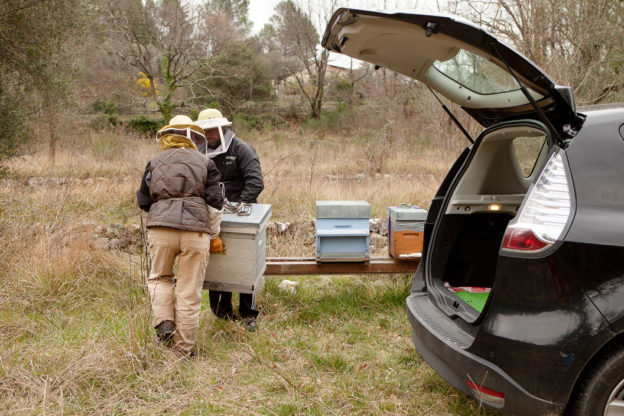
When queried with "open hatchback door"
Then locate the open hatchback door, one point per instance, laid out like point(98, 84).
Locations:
point(517, 296)
point(457, 59)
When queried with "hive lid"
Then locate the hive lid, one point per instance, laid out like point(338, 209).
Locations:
point(259, 215)
point(343, 209)
point(412, 213)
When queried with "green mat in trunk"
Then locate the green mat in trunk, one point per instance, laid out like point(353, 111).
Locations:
point(476, 300)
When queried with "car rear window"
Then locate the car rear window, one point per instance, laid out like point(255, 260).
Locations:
point(477, 73)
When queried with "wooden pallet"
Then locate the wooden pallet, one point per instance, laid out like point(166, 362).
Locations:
point(303, 265)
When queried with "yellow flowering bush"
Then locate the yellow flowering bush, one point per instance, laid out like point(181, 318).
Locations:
point(143, 85)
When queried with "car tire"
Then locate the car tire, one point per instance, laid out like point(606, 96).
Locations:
point(601, 391)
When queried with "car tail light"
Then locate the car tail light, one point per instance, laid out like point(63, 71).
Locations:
point(545, 213)
point(492, 397)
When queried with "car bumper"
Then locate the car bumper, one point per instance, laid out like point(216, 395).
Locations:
point(445, 347)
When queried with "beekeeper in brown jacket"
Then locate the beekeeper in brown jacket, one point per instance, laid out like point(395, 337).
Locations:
point(181, 193)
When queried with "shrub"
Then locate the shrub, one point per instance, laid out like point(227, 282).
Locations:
point(99, 122)
point(145, 125)
point(248, 122)
point(106, 107)
point(329, 119)
point(13, 125)
point(275, 121)
point(110, 116)
point(245, 121)
point(343, 84)
point(193, 113)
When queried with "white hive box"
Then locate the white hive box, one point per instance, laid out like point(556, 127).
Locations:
point(241, 268)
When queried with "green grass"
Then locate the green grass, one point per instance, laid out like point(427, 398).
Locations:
point(340, 345)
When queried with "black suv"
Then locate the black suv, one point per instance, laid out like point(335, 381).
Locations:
point(519, 296)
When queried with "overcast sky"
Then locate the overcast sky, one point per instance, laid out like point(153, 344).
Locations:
point(260, 11)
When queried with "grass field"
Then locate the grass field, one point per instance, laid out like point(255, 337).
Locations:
point(74, 319)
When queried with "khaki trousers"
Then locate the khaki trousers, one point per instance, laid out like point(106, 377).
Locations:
point(180, 303)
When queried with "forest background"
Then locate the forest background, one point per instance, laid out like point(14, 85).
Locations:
point(131, 64)
point(84, 85)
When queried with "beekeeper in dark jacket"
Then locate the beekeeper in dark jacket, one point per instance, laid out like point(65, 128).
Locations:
point(242, 177)
point(180, 190)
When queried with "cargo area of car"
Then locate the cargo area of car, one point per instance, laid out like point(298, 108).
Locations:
point(486, 196)
point(466, 258)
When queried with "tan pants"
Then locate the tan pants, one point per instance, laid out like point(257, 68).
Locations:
point(183, 304)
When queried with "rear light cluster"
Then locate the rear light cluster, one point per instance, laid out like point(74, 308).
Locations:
point(545, 213)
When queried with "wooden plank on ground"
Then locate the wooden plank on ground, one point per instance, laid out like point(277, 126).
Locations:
point(302, 265)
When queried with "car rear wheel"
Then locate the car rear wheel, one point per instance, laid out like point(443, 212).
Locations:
point(615, 403)
point(601, 391)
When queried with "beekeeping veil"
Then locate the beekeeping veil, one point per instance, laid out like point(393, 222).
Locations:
point(181, 132)
point(211, 118)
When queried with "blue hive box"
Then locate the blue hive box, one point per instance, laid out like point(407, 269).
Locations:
point(342, 231)
point(241, 267)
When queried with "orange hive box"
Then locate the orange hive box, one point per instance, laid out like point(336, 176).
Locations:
point(406, 231)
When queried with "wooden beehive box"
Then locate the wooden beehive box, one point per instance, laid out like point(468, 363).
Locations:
point(241, 267)
point(342, 231)
point(406, 232)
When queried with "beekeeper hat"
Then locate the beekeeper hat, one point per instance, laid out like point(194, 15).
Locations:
point(183, 126)
point(211, 118)
point(180, 120)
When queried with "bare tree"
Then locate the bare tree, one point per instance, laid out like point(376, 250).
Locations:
point(236, 10)
point(37, 40)
point(231, 77)
point(230, 71)
point(577, 42)
point(164, 39)
point(294, 34)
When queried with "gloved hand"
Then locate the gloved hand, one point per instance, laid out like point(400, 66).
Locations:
point(216, 245)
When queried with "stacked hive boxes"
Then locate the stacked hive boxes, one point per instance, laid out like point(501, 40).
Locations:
point(406, 226)
point(241, 267)
point(342, 231)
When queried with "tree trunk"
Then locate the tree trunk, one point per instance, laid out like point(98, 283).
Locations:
point(49, 113)
point(315, 110)
point(316, 103)
point(166, 108)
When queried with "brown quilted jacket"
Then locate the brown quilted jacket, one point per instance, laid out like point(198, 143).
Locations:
point(182, 188)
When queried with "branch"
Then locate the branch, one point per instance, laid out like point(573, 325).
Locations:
point(24, 7)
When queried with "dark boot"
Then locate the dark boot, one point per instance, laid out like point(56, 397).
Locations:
point(250, 323)
point(248, 311)
point(247, 307)
point(165, 330)
point(221, 304)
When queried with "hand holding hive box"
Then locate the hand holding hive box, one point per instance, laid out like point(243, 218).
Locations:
point(240, 268)
point(406, 225)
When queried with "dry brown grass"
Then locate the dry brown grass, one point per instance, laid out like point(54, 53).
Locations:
point(300, 170)
point(74, 321)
